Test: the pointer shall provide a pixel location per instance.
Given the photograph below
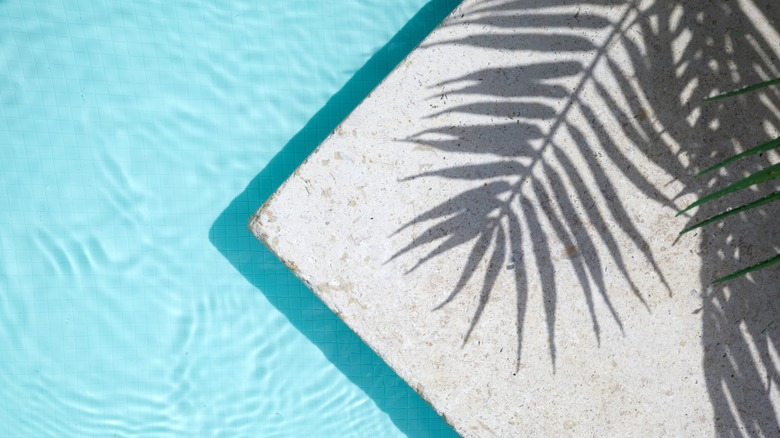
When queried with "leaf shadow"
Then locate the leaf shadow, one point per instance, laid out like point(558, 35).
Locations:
point(729, 46)
point(539, 134)
point(529, 182)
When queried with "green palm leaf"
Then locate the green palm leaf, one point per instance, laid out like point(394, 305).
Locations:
point(771, 144)
point(744, 90)
point(765, 200)
point(770, 173)
point(760, 265)
point(767, 174)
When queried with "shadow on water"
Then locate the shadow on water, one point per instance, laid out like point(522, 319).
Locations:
point(230, 235)
point(638, 96)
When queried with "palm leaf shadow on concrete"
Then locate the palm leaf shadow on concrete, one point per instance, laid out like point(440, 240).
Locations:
point(524, 145)
point(231, 237)
point(586, 96)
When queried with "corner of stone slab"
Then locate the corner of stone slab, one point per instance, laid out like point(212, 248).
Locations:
point(258, 222)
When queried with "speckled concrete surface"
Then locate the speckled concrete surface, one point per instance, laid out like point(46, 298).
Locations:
point(497, 220)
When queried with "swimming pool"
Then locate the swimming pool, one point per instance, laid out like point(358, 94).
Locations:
point(136, 139)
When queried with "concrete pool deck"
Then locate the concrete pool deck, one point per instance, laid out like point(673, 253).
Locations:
point(497, 221)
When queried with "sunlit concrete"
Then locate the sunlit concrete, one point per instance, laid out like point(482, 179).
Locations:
point(497, 221)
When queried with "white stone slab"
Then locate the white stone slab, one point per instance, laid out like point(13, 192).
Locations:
point(497, 220)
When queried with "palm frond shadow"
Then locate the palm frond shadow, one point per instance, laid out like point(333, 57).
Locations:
point(542, 131)
point(538, 180)
point(739, 338)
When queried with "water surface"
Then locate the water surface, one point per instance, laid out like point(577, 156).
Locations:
point(133, 140)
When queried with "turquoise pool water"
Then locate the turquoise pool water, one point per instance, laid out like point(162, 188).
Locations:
point(136, 138)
